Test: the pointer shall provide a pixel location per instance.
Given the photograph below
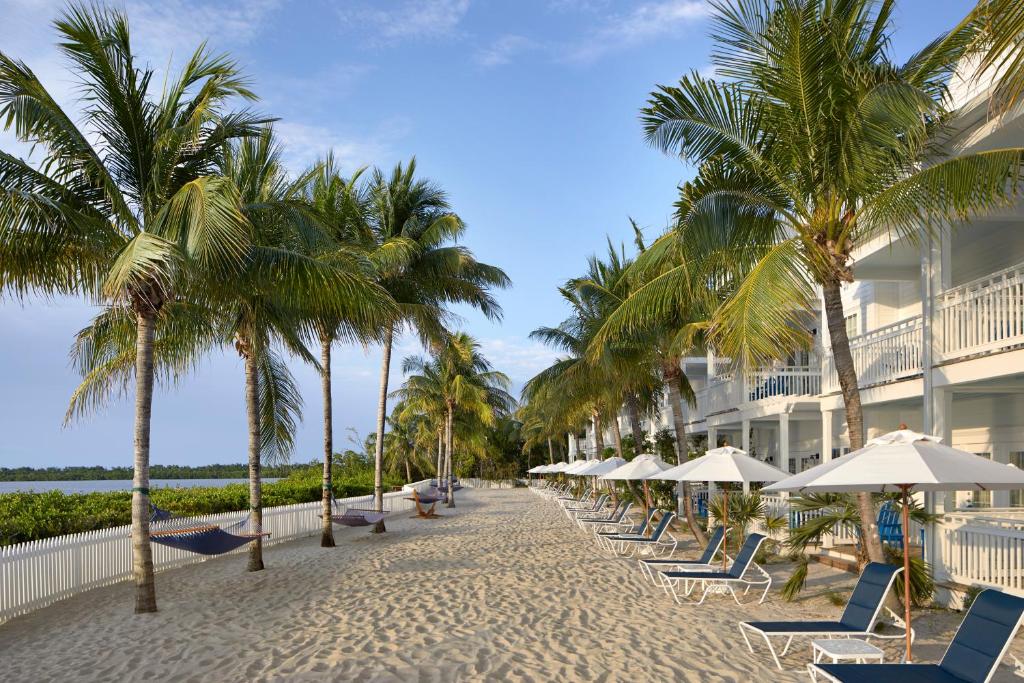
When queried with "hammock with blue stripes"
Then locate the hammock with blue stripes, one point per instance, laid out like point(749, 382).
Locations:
point(200, 538)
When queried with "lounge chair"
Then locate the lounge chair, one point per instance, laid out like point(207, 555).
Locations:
point(980, 643)
point(858, 620)
point(648, 567)
point(571, 500)
point(722, 582)
point(594, 509)
point(631, 544)
point(626, 528)
point(599, 521)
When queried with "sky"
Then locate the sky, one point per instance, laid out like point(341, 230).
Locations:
point(526, 112)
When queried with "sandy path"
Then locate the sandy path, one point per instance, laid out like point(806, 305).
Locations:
point(500, 590)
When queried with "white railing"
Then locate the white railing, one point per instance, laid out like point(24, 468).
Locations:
point(784, 381)
point(883, 355)
point(727, 393)
point(979, 550)
point(983, 315)
point(38, 573)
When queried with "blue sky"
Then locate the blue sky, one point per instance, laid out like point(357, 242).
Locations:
point(525, 111)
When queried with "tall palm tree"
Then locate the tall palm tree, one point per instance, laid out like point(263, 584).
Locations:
point(283, 297)
point(341, 206)
point(435, 273)
point(127, 209)
point(816, 143)
point(996, 30)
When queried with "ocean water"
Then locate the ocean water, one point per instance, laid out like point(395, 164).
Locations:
point(112, 484)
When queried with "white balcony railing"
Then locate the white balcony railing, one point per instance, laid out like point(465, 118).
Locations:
point(883, 355)
point(727, 392)
point(981, 316)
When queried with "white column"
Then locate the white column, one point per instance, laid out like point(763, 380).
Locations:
point(711, 365)
point(826, 435)
point(712, 443)
point(745, 445)
point(784, 443)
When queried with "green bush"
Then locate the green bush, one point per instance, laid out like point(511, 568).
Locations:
point(32, 516)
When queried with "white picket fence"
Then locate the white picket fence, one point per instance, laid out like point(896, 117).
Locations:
point(39, 573)
point(489, 483)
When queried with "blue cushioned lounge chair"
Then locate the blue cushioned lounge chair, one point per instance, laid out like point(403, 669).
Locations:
point(719, 581)
point(626, 527)
point(858, 620)
point(648, 567)
point(599, 521)
point(980, 643)
point(656, 543)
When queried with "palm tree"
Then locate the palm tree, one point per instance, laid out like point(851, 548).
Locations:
point(459, 380)
point(996, 30)
point(816, 143)
point(283, 297)
point(127, 209)
point(433, 273)
point(341, 205)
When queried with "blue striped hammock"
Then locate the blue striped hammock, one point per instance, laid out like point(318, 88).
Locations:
point(200, 538)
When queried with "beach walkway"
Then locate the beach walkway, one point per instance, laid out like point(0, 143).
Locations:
point(498, 589)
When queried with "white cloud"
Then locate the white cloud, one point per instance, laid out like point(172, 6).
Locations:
point(306, 142)
point(644, 22)
point(411, 19)
point(503, 49)
point(518, 358)
point(177, 27)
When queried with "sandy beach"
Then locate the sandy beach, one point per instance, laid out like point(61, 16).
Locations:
point(499, 589)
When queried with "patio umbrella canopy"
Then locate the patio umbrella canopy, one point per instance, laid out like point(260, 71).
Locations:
point(538, 469)
point(596, 468)
point(641, 468)
point(904, 461)
point(726, 465)
point(575, 467)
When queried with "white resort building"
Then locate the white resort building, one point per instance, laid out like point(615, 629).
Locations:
point(937, 335)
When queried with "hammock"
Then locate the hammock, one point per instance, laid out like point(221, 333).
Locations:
point(203, 539)
point(428, 497)
point(355, 516)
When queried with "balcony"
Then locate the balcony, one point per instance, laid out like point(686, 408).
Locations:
point(884, 355)
point(981, 316)
point(731, 391)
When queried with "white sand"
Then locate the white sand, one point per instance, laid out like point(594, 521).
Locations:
point(500, 590)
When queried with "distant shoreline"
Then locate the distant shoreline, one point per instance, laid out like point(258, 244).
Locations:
point(156, 472)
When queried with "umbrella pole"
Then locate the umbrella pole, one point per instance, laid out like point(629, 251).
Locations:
point(725, 524)
point(906, 566)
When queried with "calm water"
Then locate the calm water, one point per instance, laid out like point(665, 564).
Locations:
point(111, 484)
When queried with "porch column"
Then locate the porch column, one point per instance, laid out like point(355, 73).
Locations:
point(712, 443)
point(784, 442)
point(826, 435)
point(745, 445)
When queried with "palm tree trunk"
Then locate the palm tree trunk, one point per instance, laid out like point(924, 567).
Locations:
point(382, 408)
point(448, 455)
point(252, 407)
point(551, 452)
point(142, 551)
point(672, 377)
point(847, 372)
point(598, 436)
point(633, 412)
point(408, 470)
point(617, 434)
point(440, 454)
point(327, 532)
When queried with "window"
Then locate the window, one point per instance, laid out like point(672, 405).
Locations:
point(852, 325)
point(1017, 497)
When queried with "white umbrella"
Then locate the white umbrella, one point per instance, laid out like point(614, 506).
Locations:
point(575, 467)
point(725, 464)
point(905, 461)
point(539, 469)
point(596, 468)
point(642, 467)
point(557, 467)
